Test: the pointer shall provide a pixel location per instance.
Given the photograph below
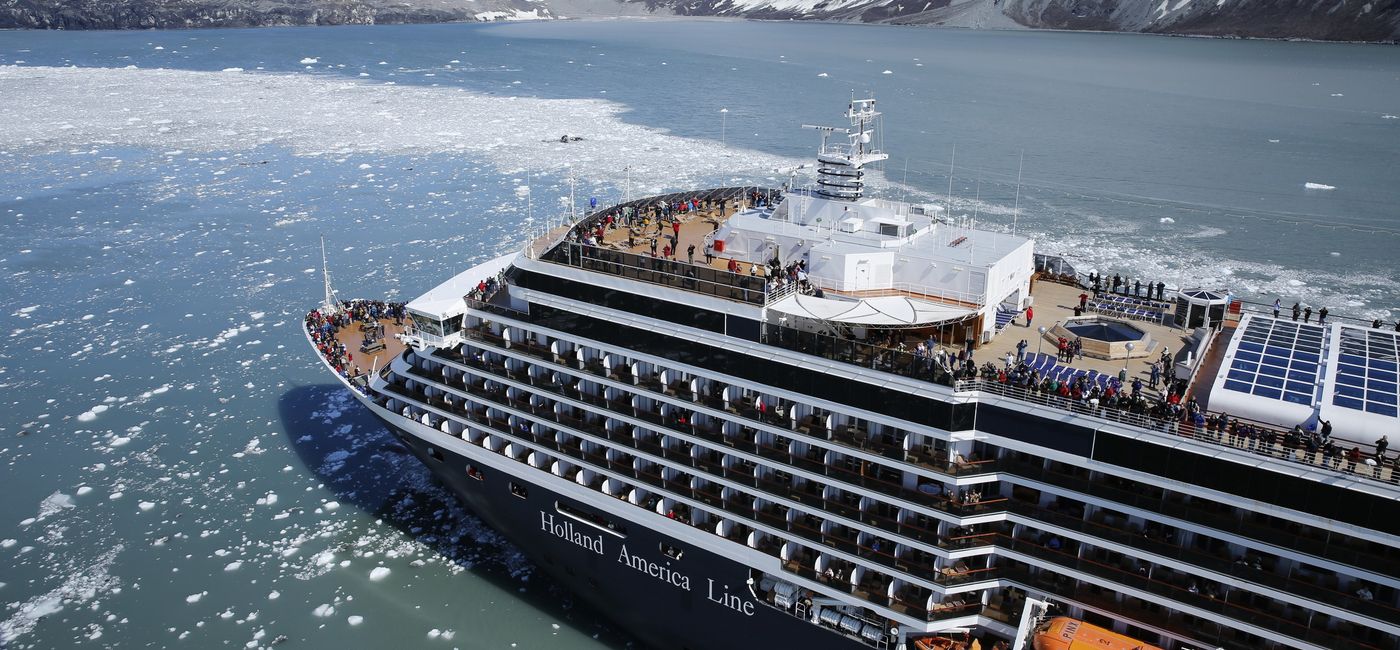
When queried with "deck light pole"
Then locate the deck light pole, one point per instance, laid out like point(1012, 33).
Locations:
point(1041, 340)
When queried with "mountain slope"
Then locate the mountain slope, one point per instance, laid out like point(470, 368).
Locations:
point(1343, 20)
point(1359, 20)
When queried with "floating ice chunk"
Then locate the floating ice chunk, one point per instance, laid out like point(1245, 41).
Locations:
point(1318, 186)
point(233, 70)
point(8, 542)
point(1166, 220)
point(145, 505)
point(309, 60)
point(274, 595)
point(1296, 283)
point(323, 610)
point(823, 74)
point(115, 495)
point(888, 72)
point(119, 441)
point(1335, 254)
point(52, 504)
point(355, 620)
point(194, 598)
point(379, 573)
point(234, 565)
point(1388, 116)
point(434, 633)
point(329, 505)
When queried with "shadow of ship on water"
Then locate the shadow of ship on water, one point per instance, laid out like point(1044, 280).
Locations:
point(366, 467)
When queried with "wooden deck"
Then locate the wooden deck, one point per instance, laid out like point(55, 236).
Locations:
point(353, 336)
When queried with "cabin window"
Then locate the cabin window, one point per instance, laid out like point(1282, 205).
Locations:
point(673, 552)
point(474, 473)
point(518, 490)
point(434, 454)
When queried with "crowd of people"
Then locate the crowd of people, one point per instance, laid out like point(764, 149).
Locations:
point(324, 326)
point(1122, 285)
point(1170, 412)
point(486, 289)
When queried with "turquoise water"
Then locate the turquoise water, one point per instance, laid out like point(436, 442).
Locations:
point(179, 470)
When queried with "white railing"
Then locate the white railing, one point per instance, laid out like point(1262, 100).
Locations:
point(899, 289)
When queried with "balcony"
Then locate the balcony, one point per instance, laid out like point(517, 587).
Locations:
point(1225, 518)
point(1220, 604)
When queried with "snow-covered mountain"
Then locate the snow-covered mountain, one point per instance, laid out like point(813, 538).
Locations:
point(1363, 20)
point(1346, 20)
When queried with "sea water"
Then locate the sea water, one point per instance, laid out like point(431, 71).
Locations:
point(179, 471)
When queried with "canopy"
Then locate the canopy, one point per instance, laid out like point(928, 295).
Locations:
point(885, 311)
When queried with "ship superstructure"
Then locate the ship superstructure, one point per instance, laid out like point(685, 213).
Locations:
point(808, 416)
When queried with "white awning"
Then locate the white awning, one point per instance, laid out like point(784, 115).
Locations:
point(445, 300)
point(886, 311)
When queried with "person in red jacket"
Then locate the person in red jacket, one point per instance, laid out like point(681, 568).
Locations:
point(1030, 313)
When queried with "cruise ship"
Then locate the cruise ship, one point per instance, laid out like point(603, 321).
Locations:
point(805, 416)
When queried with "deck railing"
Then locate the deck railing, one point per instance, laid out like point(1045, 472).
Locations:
point(1376, 469)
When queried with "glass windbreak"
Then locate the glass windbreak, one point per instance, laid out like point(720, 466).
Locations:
point(429, 325)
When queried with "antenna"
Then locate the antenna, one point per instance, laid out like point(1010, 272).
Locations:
point(976, 203)
point(331, 304)
point(948, 202)
point(904, 193)
point(1016, 211)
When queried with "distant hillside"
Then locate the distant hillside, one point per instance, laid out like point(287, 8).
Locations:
point(147, 14)
point(1340, 20)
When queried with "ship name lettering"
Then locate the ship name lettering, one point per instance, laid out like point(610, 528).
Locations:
point(732, 601)
point(661, 572)
point(566, 531)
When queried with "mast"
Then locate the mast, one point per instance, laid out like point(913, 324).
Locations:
point(948, 202)
point(330, 304)
point(1016, 211)
point(839, 173)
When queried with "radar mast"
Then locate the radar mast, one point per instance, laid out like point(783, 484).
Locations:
point(839, 171)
